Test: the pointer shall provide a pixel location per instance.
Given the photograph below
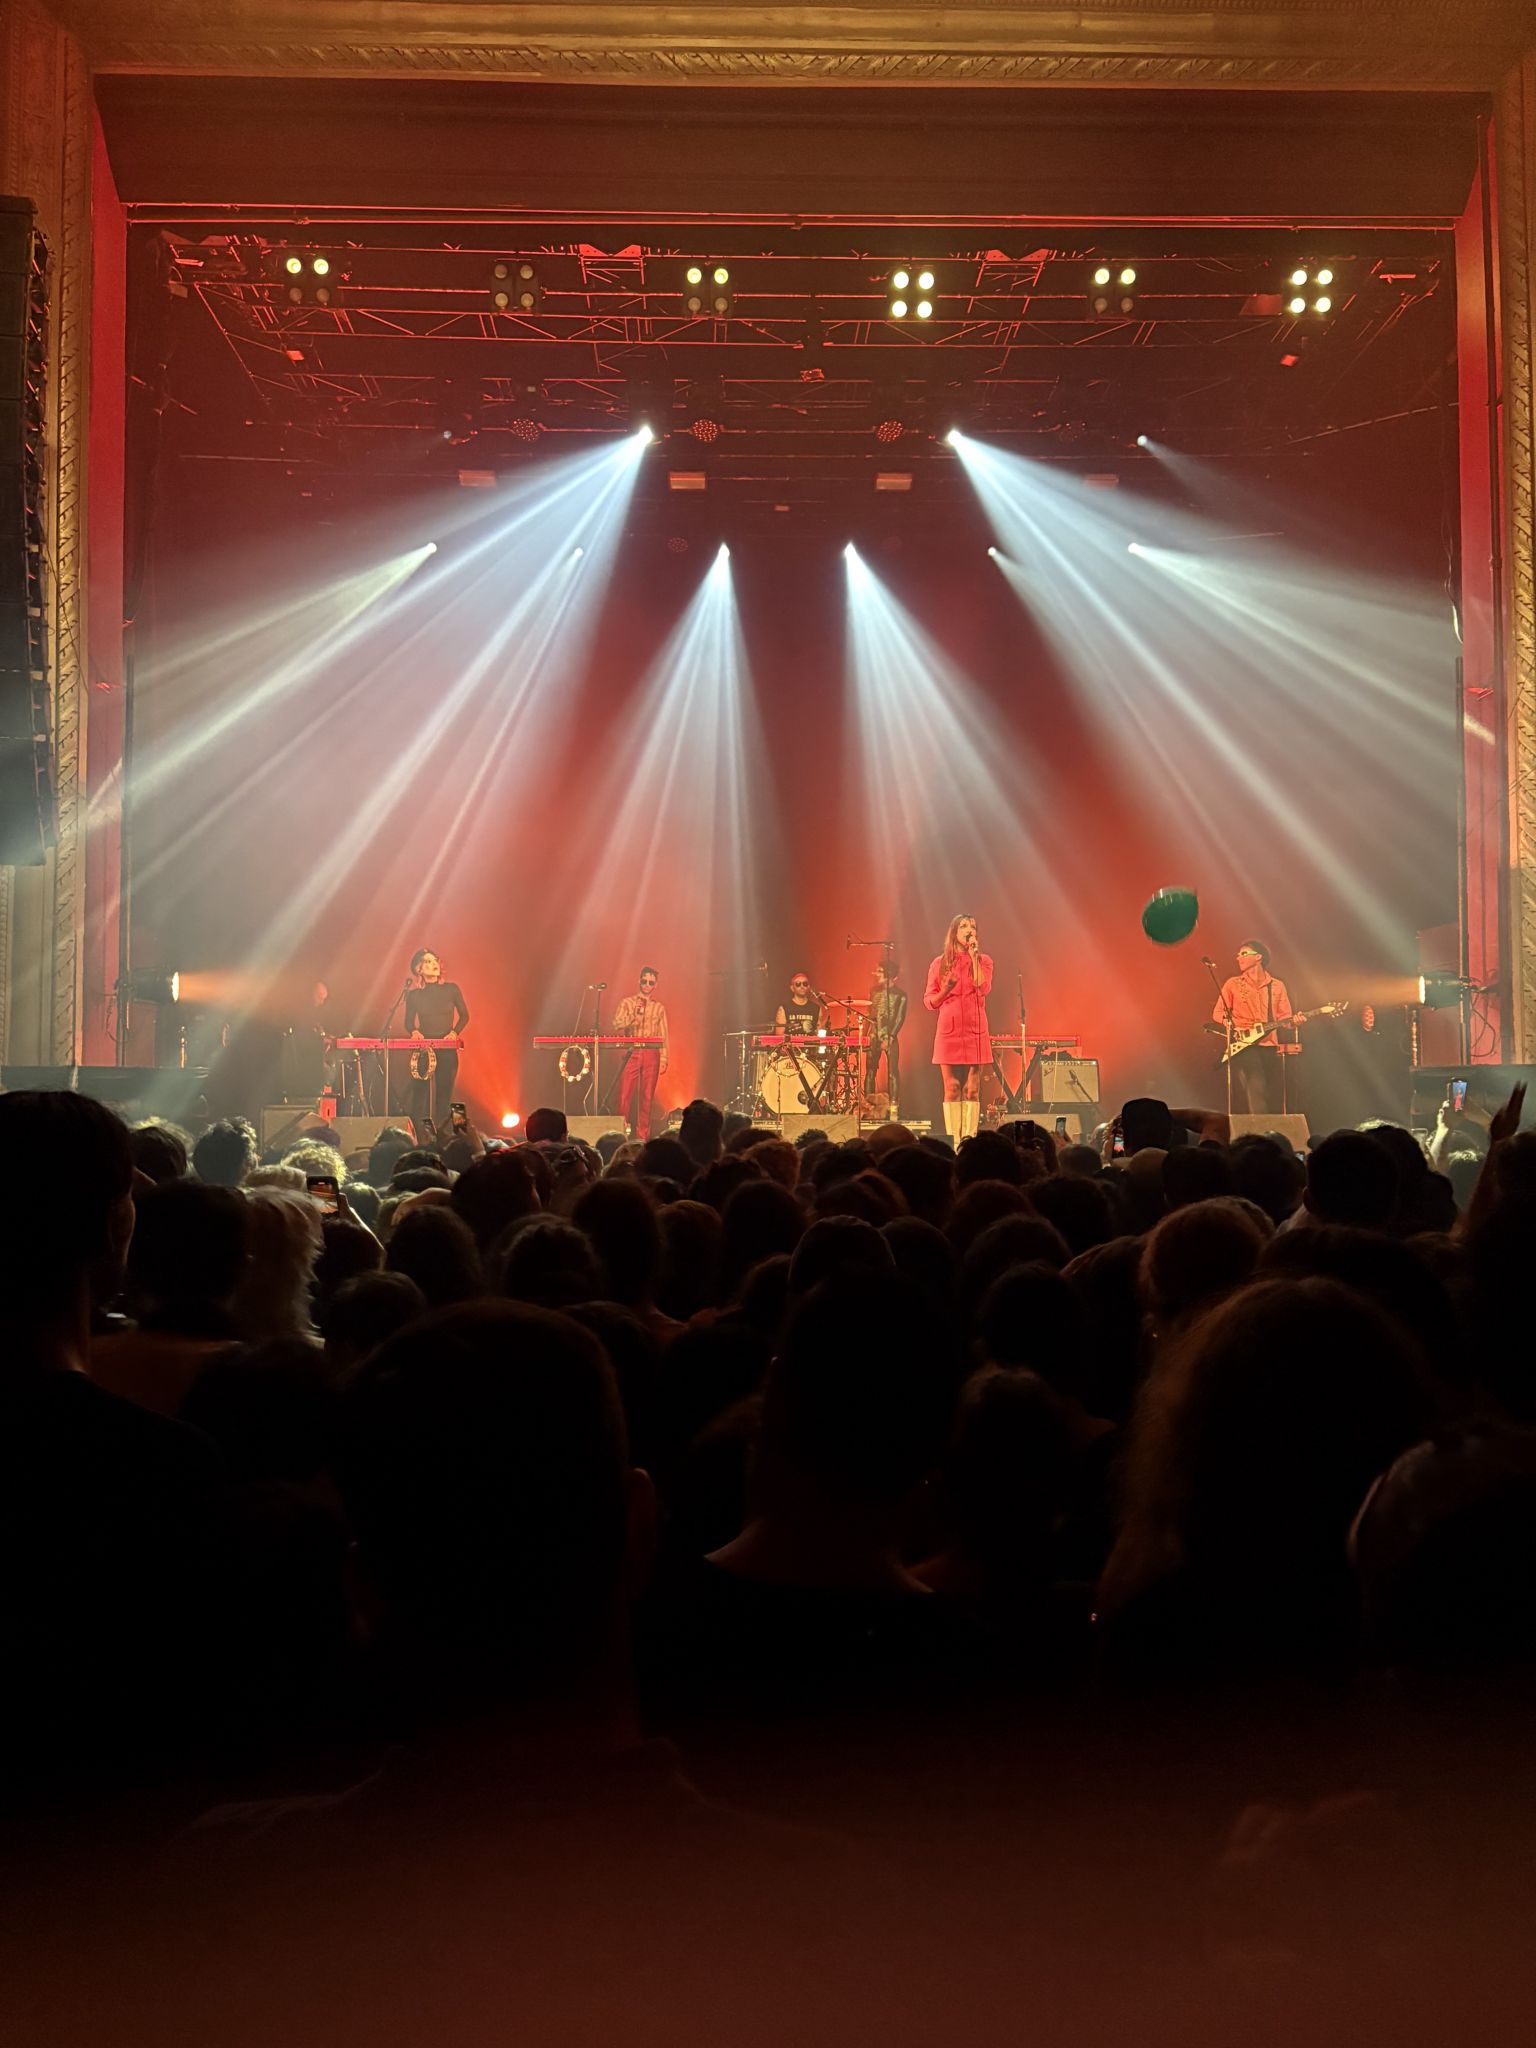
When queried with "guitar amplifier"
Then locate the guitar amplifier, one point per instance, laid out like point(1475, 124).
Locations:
point(1063, 1079)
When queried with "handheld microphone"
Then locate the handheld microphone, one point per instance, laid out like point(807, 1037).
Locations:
point(597, 984)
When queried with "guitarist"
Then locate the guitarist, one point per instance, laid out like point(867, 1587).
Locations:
point(1248, 998)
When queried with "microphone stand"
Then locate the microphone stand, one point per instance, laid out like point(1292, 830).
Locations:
point(1221, 997)
point(384, 1034)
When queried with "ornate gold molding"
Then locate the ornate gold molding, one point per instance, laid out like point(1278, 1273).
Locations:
point(1515, 140)
point(71, 396)
point(1165, 43)
point(45, 155)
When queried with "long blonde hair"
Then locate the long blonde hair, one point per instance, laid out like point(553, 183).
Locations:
point(951, 950)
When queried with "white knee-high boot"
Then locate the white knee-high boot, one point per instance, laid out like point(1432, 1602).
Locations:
point(952, 1120)
point(970, 1121)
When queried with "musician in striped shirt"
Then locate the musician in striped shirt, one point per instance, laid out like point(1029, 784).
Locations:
point(641, 1016)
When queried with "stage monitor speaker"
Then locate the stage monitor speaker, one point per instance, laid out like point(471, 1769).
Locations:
point(1062, 1078)
point(1292, 1127)
point(26, 761)
point(284, 1124)
point(175, 1093)
point(590, 1128)
point(838, 1128)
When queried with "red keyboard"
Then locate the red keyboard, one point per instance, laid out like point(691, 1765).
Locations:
point(1012, 1038)
point(394, 1044)
point(546, 1044)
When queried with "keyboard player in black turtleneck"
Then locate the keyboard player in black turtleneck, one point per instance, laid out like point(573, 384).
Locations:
point(434, 1008)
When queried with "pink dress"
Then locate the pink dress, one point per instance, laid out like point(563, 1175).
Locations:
point(962, 1038)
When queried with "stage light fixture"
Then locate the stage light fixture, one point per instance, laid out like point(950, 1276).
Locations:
point(992, 552)
point(908, 291)
point(707, 288)
point(1112, 290)
point(308, 276)
point(1441, 991)
point(150, 985)
point(510, 1120)
point(577, 553)
point(1306, 291)
point(889, 431)
point(431, 547)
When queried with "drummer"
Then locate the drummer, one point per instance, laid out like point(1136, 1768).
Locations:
point(802, 1014)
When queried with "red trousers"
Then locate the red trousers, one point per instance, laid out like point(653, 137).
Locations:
point(637, 1090)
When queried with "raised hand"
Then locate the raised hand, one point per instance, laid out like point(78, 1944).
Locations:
point(1507, 1121)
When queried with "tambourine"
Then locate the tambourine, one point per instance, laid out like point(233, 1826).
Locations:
point(420, 1072)
point(569, 1074)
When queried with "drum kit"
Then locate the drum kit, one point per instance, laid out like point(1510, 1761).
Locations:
point(816, 1073)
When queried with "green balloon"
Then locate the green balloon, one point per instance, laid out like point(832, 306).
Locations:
point(1170, 915)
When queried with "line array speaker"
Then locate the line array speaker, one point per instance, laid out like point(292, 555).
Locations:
point(26, 760)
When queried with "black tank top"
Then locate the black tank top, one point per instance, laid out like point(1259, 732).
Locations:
point(800, 1023)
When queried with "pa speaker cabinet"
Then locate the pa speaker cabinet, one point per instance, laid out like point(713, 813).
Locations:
point(26, 761)
point(838, 1128)
point(283, 1124)
point(590, 1128)
point(1292, 1127)
point(1062, 1079)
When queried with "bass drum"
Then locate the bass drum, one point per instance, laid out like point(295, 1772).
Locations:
point(784, 1085)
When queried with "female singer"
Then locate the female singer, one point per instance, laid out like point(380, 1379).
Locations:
point(958, 982)
point(434, 1008)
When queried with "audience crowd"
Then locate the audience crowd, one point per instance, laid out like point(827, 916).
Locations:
point(719, 1505)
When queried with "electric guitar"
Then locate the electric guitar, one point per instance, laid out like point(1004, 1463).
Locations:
point(1251, 1034)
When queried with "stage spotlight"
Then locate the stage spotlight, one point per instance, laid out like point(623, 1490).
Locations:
point(889, 431)
point(1142, 441)
point(850, 553)
point(707, 289)
point(1441, 991)
point(150, 985)
point(1112, 291)
point(993, 553)
point(431, 547)
point(577, 553)
point(645, 433)
point(1306, 290)
point(1134, 547)
point(954, 437)
point(899, 302)
point(309, 277)
point(510, 1120)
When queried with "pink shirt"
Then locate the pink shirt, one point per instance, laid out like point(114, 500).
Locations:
point(1251, 996)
